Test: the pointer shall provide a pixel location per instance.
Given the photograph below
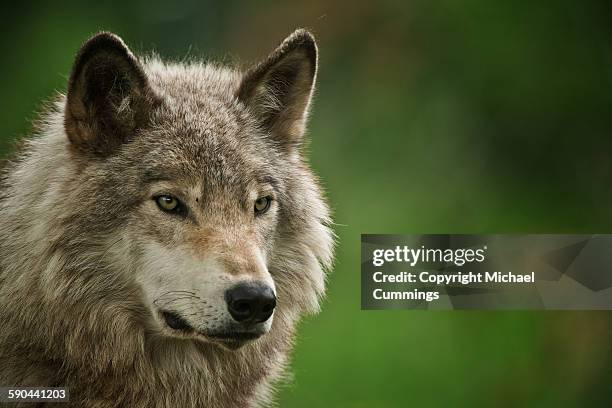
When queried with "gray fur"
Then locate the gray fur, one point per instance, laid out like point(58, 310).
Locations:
point(75, 219)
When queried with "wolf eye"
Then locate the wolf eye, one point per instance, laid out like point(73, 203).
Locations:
point(168, 203)
point(262, 204)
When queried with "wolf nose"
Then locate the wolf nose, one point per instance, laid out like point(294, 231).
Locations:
point(250, 302)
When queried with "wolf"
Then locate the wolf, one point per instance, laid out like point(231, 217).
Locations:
point(162, 232)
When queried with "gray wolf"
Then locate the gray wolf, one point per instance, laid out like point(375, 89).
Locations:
point(161, 232)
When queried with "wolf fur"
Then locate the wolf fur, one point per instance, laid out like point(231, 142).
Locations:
point(85, 254)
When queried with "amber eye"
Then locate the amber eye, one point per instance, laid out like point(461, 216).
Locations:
point(262, 204)
point(168, 203)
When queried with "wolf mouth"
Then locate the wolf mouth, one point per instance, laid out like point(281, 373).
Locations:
point(232, 339)
point(176, 322)
point(234, 336)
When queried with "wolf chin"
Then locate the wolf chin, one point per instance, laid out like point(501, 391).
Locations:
point(162, 232)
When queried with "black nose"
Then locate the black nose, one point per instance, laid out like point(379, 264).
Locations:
point(250, 302)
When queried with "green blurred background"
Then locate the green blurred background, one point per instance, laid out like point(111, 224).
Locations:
point(430, 117)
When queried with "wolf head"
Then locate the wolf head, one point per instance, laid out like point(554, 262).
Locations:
point(193, 182)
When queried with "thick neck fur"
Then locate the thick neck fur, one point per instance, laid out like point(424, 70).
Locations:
point(69, 319)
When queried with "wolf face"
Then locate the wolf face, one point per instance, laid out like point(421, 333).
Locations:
point(162, 233)
point(193, 180)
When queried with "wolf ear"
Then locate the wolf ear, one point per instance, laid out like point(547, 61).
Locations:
point(279, 89)
point(109, 97)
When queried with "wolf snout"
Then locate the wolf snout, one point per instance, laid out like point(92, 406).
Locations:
point(250, 302)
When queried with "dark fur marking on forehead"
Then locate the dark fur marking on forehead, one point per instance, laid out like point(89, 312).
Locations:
point(268, 179)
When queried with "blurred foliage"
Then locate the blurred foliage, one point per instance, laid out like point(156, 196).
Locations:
point(472, 116)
